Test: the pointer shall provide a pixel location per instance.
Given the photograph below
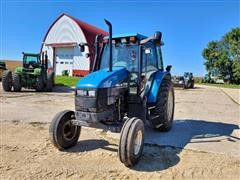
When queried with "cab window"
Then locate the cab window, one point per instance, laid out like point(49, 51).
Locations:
point(159, 58)
point(149, 58)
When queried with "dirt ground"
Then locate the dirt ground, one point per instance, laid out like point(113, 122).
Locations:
point(194, 153)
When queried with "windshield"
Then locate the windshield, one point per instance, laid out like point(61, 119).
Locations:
point(30, 59)
point(123, 55)
point(186, 74)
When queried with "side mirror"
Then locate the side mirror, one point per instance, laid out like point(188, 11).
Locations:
point(87, 55)
point(82, 47)
point(168, 68)
point(156, 37)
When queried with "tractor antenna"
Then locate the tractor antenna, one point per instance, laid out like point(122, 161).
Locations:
point(110, 43)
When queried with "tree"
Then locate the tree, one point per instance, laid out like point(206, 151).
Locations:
point(223, 56)
point(232, 43)
point(236, 71)
point(210, 54)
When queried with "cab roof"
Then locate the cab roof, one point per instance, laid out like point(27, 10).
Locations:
point(116, 36)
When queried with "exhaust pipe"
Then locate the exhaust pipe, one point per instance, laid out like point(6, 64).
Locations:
point(46, 60)
point(110, 43)
point(95, 64)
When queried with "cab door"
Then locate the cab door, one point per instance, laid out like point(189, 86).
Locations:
point(151, 63)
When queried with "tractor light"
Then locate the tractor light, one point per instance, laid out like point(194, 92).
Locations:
point(105, 41)
point(133, 39)
point(124, 40)
point(81, 92)
point(91, 93)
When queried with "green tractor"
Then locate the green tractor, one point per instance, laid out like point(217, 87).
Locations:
point(2, 68)
point(32, 75)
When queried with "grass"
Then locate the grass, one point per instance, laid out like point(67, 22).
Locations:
point(71, 81)
point(232, 86)
point(66, 80)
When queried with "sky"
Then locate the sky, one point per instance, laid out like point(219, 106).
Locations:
point(187, 26)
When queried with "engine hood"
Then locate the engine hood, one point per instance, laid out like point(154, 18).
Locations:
point(103, 78)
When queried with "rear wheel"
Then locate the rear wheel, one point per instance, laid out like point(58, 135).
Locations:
point(39, 84)
point(63, 134)
point(192, 84)
point(131, 141)
point(7, 80)
point(162, 114)
point(50, 81)
point(17, 82)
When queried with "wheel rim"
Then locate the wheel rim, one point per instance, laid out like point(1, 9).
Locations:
point(170, 105)
point(138, 142)
point(69, 131)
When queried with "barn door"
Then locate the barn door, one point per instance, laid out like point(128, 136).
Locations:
point(64, 60)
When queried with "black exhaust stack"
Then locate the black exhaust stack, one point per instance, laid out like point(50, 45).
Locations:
point(110, 43)
point(46, 60)
point(97, 51)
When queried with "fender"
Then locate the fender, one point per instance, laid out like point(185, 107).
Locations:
point(19, 70)
point(156, 84)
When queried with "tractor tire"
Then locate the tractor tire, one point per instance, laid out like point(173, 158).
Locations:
point(162, 115)
point(192, 84)
point(62, 133)
point(17, 83)
point(7, 80)
point(131, 141)
point(39, 84)
point(50, 82)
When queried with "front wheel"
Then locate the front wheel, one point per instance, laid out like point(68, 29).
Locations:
point(131, 141)
point(62, 133)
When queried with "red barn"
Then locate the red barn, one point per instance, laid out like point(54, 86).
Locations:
point(61, 43)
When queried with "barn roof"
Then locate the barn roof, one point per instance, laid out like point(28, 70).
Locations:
point(89, 31)
point(87, 28)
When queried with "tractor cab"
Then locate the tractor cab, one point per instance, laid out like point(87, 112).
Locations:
point(140, 59)
point(31, 61)
point(3, 65)
point(188, 75)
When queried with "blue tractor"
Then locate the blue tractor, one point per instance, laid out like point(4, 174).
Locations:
point(127, 90)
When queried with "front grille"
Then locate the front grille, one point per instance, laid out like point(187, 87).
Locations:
point(93, 104)
point(28, 70)
point(85, 103)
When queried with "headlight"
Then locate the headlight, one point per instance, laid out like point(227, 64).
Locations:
point(92, 93)
point(81, 92)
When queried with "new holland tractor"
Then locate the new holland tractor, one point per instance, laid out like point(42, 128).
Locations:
point(32, 75)
point(127, 90)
